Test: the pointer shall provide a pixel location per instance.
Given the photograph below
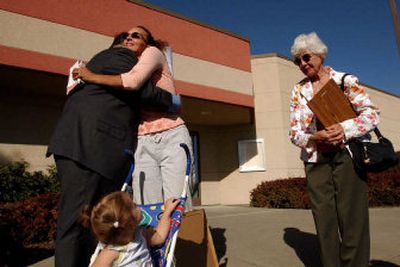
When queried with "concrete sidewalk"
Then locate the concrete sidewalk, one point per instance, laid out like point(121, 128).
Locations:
point(248, 237)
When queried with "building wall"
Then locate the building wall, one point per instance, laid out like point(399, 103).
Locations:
point(43, 38)
point(227, 96)
point(60, 32)
point(390, 110)
point(221, 181)
point(29, 109)
point(273, 79)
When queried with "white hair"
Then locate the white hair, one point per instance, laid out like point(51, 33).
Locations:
point(309, 42)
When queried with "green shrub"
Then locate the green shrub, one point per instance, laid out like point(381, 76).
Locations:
point(384, 190)
point(16, 183)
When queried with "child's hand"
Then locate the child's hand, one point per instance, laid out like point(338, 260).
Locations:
point(170, 205)
point(158, 237)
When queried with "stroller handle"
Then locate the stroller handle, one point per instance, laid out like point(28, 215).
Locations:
point(130, 155)
point(188, 158)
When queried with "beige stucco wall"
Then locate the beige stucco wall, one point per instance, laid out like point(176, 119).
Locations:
point(389, 106)
point(33, 154)
point(273, 79)
point(222, 183)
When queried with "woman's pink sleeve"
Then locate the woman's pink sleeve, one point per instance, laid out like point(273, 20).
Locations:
point(149, 62)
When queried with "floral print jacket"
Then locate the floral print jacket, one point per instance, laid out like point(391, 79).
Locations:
point(303, 120)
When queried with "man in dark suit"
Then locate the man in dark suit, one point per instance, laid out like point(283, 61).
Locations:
point(97, 124)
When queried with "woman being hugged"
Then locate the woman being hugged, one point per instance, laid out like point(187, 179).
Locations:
point(338, 194)
point(160, 162)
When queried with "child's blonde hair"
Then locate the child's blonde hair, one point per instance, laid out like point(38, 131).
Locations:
point(111, 220)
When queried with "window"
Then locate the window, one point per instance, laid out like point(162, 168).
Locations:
point(251, 155)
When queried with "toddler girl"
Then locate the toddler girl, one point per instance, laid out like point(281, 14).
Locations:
point(114, 222)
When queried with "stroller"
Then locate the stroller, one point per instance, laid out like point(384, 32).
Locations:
point(163, 256)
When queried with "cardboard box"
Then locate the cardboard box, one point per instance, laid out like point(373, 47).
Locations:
point(195, 246)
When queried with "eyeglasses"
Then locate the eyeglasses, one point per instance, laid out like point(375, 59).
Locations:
point(133, 35)
point(306, 58)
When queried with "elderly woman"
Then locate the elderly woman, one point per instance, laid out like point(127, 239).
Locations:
point(338, 194)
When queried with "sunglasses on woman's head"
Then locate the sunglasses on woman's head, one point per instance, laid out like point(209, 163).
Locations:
point(306, 58)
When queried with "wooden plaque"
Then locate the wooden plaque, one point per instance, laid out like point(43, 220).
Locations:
point(330, 105)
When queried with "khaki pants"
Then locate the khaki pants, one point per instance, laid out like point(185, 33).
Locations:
point(339, 203)
point(160, 165)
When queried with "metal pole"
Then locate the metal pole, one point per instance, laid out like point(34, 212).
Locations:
point(393, 10)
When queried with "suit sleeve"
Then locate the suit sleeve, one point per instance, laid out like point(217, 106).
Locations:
point(155, 98)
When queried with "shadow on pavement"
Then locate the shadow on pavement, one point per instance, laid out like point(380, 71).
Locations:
point(218, 235)
point(305, 245)
point(379, 263)
point(307, 249)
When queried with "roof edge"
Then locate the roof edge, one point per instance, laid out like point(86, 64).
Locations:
point(288, 59)
point(271, 55)
point(180, 16)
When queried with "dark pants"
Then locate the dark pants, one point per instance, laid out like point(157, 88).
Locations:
point(79, 186)
point(339, 203)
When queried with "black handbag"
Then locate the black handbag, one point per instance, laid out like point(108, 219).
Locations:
point(373, 157)
point(369, 156)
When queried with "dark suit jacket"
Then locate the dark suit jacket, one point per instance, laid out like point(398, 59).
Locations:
point(98, 123)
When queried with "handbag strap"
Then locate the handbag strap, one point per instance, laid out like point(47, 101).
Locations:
point(342, 84)
point(378, 133)
point(376, 130)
